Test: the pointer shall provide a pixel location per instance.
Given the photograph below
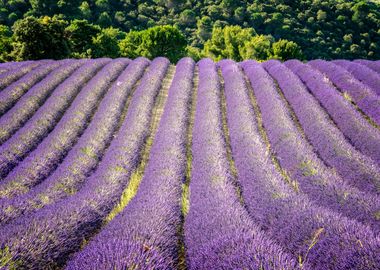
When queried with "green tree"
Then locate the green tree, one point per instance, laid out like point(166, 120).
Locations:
point(165, 41)
point(44, 7)
point(194, 53)
point(119, 17)
point(5, 43)
point(227, 42)
point(105, 44)
point(187, 17)
point(104, 20)
point(131, 45)
point(321, 15)
point(80, 34)
point(85, 10)
point(239, 14)
point(42, 38)
point(258, 48)
point(174, 4)
point(320, 27)
point(285, 50)
point(204, 28)
point(12, 17)
point(69, 7)
point(102, 5)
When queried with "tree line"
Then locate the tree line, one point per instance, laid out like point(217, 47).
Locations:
point(54, 38)
point(326, 29)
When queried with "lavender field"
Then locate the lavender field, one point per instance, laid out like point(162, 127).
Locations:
point(139, 164)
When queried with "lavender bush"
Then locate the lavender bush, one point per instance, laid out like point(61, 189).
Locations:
point(218, 231)
point(43, 160)
point(13, 92)
point(371, 64)
point(144, 235)
point(45, 238)
point(18, 71)
point(85, 155)
point(361, 94)
point(310, 175)
point(361, 134)
point(7, 66)
point(47, 116)
point(138, 164)
point(305, 230)
point(31, 101)
point(362, 73)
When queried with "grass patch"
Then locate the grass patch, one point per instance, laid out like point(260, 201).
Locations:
point(313, 242)
point(127, 195)
point(308, 168)
point(7, 261)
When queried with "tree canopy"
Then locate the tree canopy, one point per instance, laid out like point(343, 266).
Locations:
point(320, 28)
point(40, 38)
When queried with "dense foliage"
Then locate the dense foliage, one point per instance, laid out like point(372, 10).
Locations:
point(321, 28)
point(155, 41)
point(139, 164)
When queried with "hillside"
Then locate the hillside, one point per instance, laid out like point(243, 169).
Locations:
point(328, 29)
point(138, 164)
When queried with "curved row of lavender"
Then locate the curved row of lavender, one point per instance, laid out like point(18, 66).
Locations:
point(51, 234)
point(219, 234)
point(10, 95)
point(304, 152)
point(374, 65)
point(364, 136)
point(7, 66)
point(361, 93)
point(271, 201)
point(354, 167)
point(14, 73)
point(87, 152)
point(296, 155)
point(11, 121)
point(48, 115)
point(362, 73)
point(144, 235)
point(43, 160)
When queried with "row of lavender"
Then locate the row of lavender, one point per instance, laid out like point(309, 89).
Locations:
point(144, 234)
point(293, 216)
point(55, 231)
point(218, 229)
point(86, 153)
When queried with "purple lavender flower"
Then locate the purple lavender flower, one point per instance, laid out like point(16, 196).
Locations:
point(46, 238)
point(361, 94)
point(303, 229)
point(296, 156)
point(85, 155)
point(219, 234)
point(43, 160)
point(7, 66)
point(285, 168)
point(18, 71)
point(145, 232)
point(371, 64)
point(361, 134)
point(10, 95)
point(362, 73)
point(11, 121)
